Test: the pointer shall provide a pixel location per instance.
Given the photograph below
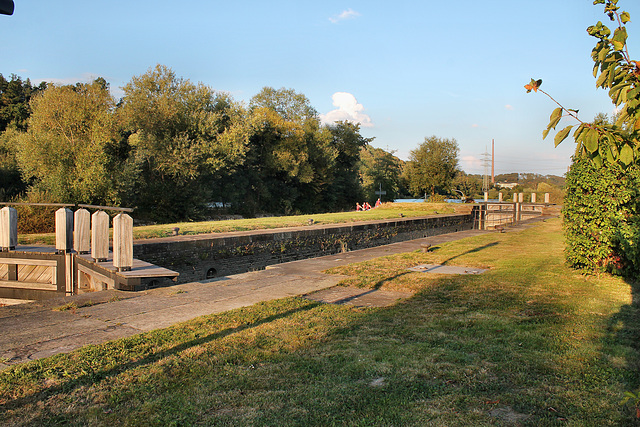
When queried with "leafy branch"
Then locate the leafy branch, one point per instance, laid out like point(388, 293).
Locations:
point(615, 71)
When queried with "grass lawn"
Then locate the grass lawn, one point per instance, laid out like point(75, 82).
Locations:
point(386, 211)
point(530, 342)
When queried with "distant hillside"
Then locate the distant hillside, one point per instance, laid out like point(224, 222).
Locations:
point(530, 180)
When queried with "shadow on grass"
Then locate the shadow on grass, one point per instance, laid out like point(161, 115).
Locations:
point(624, 330)
point(471, 251)
point(99, 375)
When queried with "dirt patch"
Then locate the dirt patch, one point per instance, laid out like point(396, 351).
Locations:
point(508, 415)
point(358, 297)
point(446, 269)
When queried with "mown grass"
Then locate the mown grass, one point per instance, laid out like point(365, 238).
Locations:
point(386, 211)
point(530, 342)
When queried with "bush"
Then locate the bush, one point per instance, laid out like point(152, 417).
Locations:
point(437, 198)
point(36, 219)
point(602, 217)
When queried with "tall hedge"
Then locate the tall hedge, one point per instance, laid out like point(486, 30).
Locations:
point(602, 217)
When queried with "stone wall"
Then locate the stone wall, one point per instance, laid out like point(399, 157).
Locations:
point(204, 257)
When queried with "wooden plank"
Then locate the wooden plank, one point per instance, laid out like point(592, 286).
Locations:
point(27, 294)
point(28, 261)
point(43, 275)
point(39, 274)
point(26, 285)
point(123, 242)
point(95, 276)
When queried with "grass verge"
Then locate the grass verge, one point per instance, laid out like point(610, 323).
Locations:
point(530, 342)
point(386, 211)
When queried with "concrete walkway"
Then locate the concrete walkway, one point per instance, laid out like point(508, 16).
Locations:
point(41, 329)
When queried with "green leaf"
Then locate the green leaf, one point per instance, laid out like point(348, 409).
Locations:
point(562, 135)
point(625, 17)
point(602, 78)
point(597, 160)
point(626, 154)
point(591, 141)
point(619, 35)
point(617, 45)
point(578, 132)
point(602, 53)
point(555, 117)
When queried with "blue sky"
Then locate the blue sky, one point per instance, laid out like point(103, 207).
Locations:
point(405, 69)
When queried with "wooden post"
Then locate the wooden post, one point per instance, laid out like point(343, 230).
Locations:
point(8, 228)
point(520, 197)
point(499, 197)
point(99, 236)
point(515, 197)
point(486, 196)
point(82, 231)
point(547, 198)
point(533, 197)
point(64, 230)
point(123, 242)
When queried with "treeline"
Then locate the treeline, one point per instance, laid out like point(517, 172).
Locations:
point(174, 150)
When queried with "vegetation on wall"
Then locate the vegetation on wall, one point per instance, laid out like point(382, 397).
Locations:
point(601, 217)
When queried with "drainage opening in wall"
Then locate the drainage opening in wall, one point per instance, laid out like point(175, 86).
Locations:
point(211, 273)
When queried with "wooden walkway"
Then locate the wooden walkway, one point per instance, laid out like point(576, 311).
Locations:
point(36, 273)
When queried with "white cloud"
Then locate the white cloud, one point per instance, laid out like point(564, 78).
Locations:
point(345, 14)
point(348, 109)
point(468, 163)
point(508, 107)
point(475, 125)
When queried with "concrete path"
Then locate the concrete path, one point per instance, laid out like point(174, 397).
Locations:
point(44, 328)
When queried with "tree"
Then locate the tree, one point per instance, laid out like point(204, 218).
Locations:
point(15, 96)
point(290, 160)
point(468, 184)
point(380, 169)
point(65, 150)
point(287, 103)
point(432, 166)
point(11, 183)
point(346, 186)
point(182, 136)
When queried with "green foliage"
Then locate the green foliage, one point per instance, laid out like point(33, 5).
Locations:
point(601, 213)
point(181, 136)
point(432, 166)
point(602, 216)
point(632, 399)
point(36, 219)
point(15, 95)
point(468, 184)
point(346, 186)
point(11, 183)
point(170, 148)
point(65, 149)
point(380, 168)
point(290, 162)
